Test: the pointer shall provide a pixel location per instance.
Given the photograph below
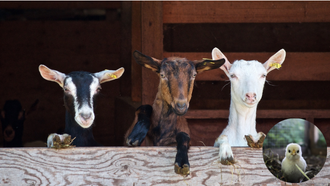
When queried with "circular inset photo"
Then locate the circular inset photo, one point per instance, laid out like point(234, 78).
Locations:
point(294, 150)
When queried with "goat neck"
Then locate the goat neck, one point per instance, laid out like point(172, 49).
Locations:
point(242, 119)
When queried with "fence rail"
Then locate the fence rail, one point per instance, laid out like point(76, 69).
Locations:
point(135, 166)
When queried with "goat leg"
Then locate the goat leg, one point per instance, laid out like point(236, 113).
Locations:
point(182, 165)
point(141, 127)
point(225, 152)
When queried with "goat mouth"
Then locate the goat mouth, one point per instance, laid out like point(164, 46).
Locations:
point(250, 104)
point(180, 111)
point(83, 123)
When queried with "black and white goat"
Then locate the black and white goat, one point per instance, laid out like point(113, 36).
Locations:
point(12, 119)
point(80, 89)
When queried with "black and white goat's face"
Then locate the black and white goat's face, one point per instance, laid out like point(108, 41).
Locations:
point(80, 89)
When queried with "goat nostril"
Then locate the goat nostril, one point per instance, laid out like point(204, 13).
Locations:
point(251, 95)
point(86, 116)
point(8, 132)
point(181, 105)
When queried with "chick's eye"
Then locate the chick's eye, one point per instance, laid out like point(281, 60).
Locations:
point(289, 151)
point(297, 151)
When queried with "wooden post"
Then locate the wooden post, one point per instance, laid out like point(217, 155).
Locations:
point(136, 45)
point(152, 45)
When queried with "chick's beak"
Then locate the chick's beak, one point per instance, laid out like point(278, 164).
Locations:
point(293, 152)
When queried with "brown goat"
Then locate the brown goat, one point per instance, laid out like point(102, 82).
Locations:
point(163, 124)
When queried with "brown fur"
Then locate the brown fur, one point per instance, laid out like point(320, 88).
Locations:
point(168, 126)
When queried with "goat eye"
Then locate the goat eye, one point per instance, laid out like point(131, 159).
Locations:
point(233, 76)
point(66, 90)
point(98, 89)
point(263, 75)
point(162, 75)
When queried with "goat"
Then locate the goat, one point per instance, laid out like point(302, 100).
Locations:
point(164, 123)
point(12, 119)
point(247, 80)
point(80, 89)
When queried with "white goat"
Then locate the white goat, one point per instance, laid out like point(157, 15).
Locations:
point(247, 80)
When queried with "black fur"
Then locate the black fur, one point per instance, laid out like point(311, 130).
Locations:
point(13, 123)
point(142, 126)
point(83, 137)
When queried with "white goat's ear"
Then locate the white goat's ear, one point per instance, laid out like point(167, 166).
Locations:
point(52, 75)
point(109, 75)
point(275, 61)
point(217, 54)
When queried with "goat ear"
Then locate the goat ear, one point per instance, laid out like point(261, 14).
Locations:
point(217, 54)
point(146, 61)
point(109, 75)
point(208, 64)
point(275, 61)
point(52, 75)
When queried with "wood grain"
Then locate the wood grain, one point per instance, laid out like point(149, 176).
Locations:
point(296, 67)
point(135, 166)
point(245, 12)
point(152, 45)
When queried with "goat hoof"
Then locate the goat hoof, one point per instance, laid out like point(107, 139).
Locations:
point(132, 144)
point(184, 170)
point(227, 161)
point(253, 143)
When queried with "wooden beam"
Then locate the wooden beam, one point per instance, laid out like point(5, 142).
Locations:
point(268, 114)
point(307, 66)
point(152, 45)
point(136, 166)
point(55, 5)
point(136, 76)
point(245, 12)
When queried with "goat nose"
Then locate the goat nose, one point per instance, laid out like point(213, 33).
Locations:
point(251, 96)
point(8, 132)
point(181, 105)
point(86, 116)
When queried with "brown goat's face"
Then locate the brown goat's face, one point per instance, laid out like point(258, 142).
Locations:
point(177, 77)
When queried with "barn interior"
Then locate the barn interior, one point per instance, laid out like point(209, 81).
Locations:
point(93, 36)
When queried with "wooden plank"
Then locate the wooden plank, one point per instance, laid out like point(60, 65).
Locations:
point(136, 75)
point(309, 66)
point(136, 166)
point(245, 12)
point(152, 45)
point(280, 113)
point(54, 5)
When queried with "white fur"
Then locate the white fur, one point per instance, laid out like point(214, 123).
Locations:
point(247, 82)
point(293, 157)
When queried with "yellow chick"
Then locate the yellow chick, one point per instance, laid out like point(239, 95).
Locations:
point(293, 155)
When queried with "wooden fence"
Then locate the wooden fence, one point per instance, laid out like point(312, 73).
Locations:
point(136, 166)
